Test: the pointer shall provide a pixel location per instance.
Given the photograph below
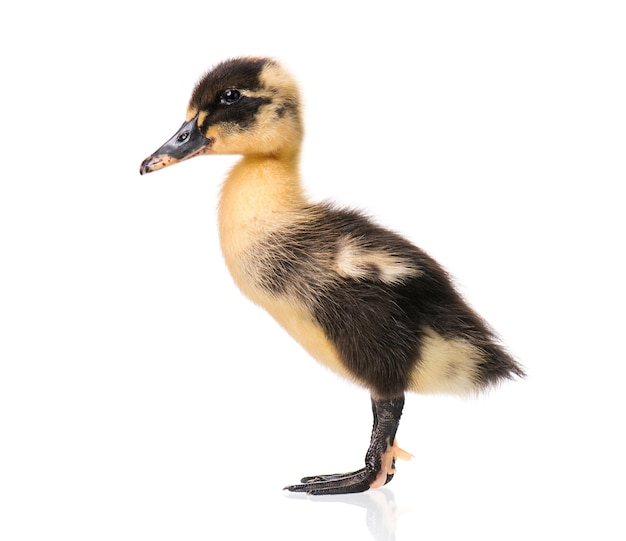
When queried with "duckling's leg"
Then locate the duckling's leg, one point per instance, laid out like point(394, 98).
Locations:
point(379, 461)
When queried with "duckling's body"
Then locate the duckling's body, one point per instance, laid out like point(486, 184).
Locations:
point(359, 298)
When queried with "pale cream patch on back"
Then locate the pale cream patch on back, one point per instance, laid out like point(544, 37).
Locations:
point(446, 365)
point(354, 260)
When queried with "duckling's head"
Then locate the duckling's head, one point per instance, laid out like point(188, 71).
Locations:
point(246, 106)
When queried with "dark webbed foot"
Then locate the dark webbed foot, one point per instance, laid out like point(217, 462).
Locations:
point(379, 460)
point(339, 483)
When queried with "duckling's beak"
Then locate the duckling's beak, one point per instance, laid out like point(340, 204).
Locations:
point(186, 143)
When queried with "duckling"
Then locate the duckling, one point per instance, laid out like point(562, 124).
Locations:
point(361, 299)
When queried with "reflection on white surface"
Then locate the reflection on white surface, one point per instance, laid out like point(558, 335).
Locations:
point(381, 511)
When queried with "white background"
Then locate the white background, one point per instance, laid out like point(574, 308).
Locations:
point(142, 397)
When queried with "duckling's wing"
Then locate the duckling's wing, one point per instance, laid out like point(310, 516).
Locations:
point(390, 310)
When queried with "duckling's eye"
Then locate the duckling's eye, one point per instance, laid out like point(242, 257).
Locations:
point(230, 96)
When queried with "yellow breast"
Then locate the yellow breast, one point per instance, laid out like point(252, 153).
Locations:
point(261, 196)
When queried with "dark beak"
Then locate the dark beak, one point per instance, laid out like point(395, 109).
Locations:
point(186, 143)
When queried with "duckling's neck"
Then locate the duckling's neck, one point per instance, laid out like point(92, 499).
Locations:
point(260, 194)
